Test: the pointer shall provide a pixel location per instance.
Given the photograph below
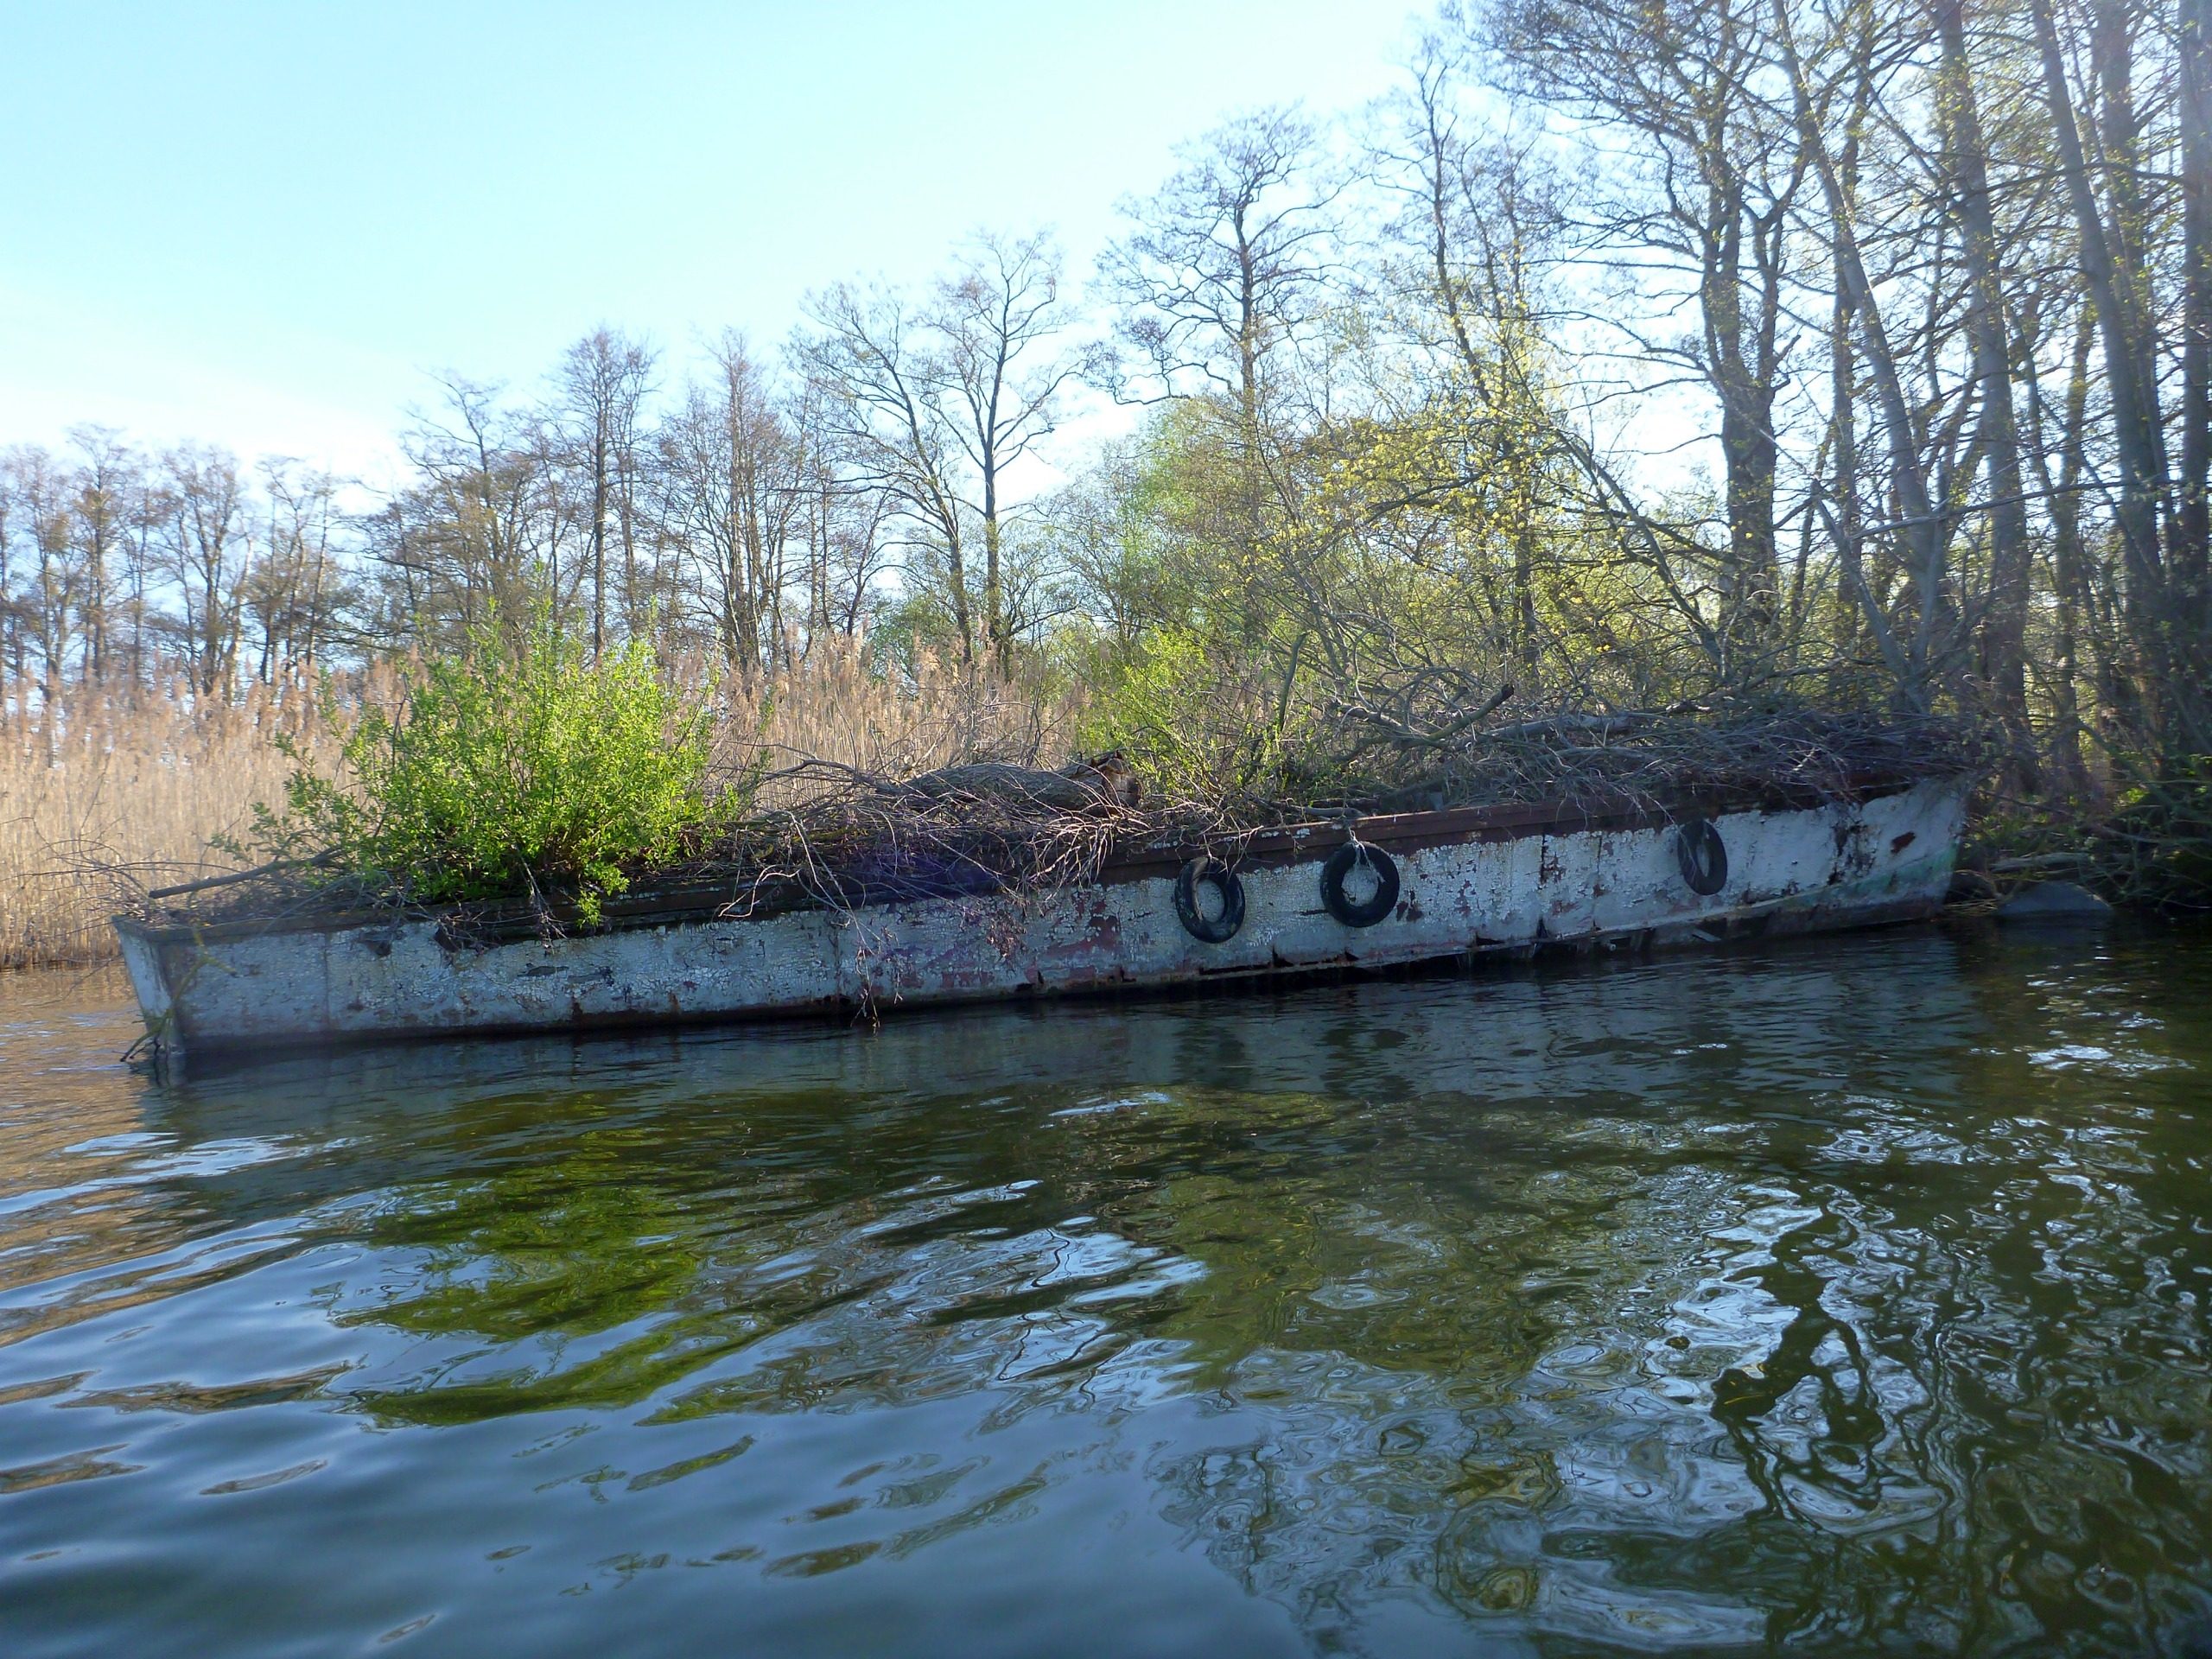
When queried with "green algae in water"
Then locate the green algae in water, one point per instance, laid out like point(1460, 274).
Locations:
point(1840, 1298)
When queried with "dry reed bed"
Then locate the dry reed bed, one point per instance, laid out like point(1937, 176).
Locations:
point(100, 794)
point(103, 796)
point(834, 708)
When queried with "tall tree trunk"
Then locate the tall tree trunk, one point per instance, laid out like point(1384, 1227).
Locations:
point(997, 638)
point(2004, 633)
point(1843, 425)
point(2077, 606)
point(2192, 560)
point(2132, 387)
point(599, 539)
point(1747, 441)
point(1923, 533)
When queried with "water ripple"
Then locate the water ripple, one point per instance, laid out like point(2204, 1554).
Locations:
point(1844, 1298)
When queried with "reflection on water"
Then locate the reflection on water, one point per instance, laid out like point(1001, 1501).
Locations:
point(1845, 1297)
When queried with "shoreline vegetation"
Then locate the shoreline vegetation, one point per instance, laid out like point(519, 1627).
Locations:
point(1453, 428)
point(525, 773)
point(525, 776)
point(118, 795)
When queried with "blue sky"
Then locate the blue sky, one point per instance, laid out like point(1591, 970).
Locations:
point(266, 225)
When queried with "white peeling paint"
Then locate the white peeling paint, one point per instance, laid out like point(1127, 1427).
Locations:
point(1836, 866)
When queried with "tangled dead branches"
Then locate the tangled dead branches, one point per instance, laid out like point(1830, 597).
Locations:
point(1650, 757)
point(858, 840)
point(828, 834)
point(854, 839)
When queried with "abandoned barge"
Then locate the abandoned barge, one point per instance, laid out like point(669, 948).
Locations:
point(1370, 893)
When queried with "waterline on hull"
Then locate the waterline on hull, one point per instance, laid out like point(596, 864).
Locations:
point(1839, 865)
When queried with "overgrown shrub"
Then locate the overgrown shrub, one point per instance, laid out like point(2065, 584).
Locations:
point(1201, 725)
point(2156, 850)
point(520, 767)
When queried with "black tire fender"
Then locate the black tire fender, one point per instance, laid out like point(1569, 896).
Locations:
point(1342, 862)
point(1702, 856)
point(1212, 929)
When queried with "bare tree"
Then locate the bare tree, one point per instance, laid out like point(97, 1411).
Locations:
point(2111, 263)
point(2193, 551)
point(603, 382)
point(207, 552)
point(11, 606)
point(878, 368)
point(731, 497)
point(107, 478)
point(294, 588)
point(1224, 261)
point(478, 531)
point(2004, 635)
point(46, 601)
point(998, 312)
point(1698, 182)
point(1475, 225)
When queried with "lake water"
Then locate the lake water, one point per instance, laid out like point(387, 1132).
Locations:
point(1845, 1297)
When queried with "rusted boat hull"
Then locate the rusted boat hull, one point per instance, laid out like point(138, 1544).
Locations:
point(1471, 882)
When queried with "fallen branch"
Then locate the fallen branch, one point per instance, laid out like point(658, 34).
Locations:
point(1432, 739)
point(1592, 725)
point(2038, 862)
point(280, 867)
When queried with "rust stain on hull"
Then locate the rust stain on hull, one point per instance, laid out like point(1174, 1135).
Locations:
point(1487, 887)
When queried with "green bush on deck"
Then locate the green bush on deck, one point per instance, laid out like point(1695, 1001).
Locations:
point(521, 767)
